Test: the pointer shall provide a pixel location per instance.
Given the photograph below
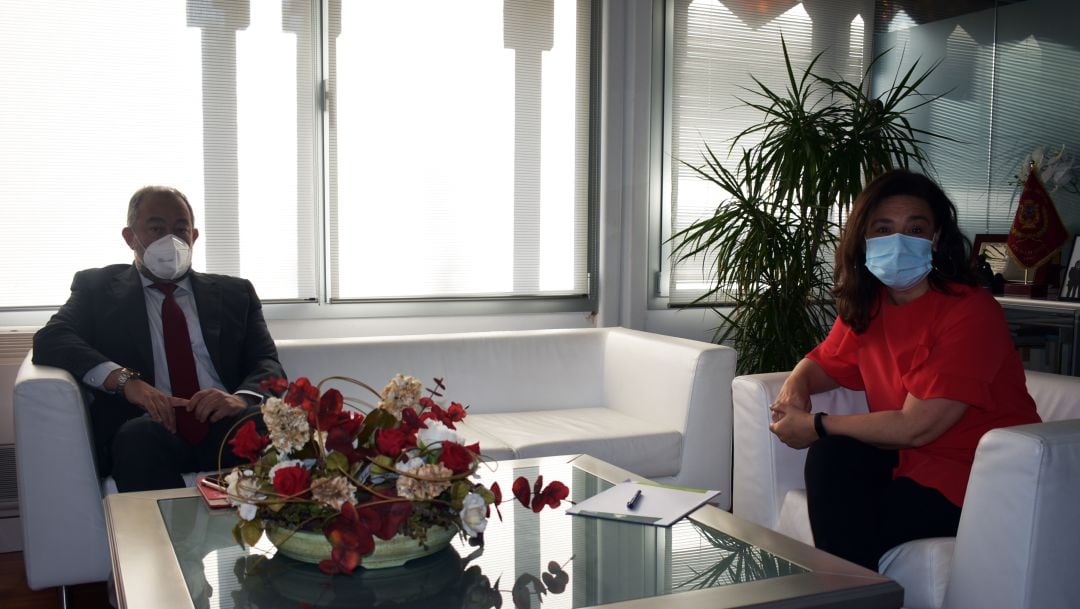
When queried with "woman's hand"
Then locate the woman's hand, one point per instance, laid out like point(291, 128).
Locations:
point(793, 425)
point(793, 395)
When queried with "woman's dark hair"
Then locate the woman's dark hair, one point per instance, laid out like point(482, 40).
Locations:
point(856, 288)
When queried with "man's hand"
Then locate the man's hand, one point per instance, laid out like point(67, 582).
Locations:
point(793, 425)
point(214, 404)
point(153, 401)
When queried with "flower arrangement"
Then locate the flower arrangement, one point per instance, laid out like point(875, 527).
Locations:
point(400, 468)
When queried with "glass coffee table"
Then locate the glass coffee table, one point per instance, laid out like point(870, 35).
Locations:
point(170, 551)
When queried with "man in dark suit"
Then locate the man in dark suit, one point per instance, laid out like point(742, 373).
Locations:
point(173, 358)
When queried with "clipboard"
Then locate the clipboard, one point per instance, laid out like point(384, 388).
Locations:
point(657, 504)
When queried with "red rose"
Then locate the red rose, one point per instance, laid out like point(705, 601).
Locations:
point(456, 457)
point(292, 481)
point(391, 442)
point(247, 443)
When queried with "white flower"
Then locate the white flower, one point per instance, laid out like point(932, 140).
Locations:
point(410, 465)
point(288, 426)
point(473, 517)
point(1055, 168)
point(436, 480)
point(333, 491)
point(437, 432)
point(243, 489)
point(402, 391)
point(247, 511)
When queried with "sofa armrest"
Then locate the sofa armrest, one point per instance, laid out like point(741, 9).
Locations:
point(63, 521)
point(1018, 534)
point(765, 468)
point(680, 384)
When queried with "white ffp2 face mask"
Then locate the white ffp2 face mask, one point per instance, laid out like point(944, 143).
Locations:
point(168, 258)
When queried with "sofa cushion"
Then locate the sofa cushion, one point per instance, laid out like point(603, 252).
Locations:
point(491, 447)
point(921, 567)
point(627, 442)
point(794, 519)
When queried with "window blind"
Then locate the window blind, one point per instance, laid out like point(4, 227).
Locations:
point(99, 98)
point(715, 48)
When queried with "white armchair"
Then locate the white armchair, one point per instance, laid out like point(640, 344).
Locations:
point(1018, 532)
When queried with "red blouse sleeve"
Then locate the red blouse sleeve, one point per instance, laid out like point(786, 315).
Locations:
point(838, 356)
point(960, 355)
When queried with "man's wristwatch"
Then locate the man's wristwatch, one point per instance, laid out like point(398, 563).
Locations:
point(126, 375)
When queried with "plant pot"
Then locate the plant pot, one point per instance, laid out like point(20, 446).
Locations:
point(313, 547)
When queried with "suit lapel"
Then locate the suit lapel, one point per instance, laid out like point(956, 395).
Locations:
point(127, 290)
point(208, 300)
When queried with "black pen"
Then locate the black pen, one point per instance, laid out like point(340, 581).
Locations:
point(633, 500)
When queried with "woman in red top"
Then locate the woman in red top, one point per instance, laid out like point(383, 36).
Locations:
point(935, 358)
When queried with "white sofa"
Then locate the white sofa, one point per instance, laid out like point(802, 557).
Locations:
point(656, 405)
point(1018, 534)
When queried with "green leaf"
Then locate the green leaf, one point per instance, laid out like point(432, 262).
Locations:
point(489, 497)
point(376, 419)
point(250, 532)
point(337, 461)
point(309, 451)
point(381, 465)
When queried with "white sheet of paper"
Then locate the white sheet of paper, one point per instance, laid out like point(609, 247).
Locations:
point(658, 505)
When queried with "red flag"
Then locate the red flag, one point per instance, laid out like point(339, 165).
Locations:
point(1037, 231)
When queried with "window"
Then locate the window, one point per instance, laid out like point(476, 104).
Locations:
point(333, 150)
point(1001, 74)
point(713, 48)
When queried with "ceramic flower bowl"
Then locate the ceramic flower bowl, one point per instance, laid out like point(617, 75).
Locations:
point(313, 547)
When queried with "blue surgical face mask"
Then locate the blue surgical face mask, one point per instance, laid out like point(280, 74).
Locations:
point(899, 261)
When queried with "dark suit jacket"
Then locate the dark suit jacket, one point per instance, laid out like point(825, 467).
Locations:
point(105, 320)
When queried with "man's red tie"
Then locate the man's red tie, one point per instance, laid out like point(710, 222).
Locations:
point(182, 375)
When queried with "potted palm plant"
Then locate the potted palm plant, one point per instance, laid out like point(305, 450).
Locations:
point(768, 247)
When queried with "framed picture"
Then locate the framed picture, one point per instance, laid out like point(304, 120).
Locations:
point(1071, 288)
point(997, 256)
